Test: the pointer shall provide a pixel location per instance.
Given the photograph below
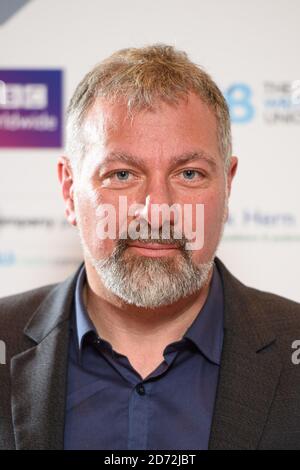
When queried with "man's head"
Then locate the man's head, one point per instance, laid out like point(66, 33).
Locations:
point(148, 125)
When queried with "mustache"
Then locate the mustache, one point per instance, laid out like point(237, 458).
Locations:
point(161, 239)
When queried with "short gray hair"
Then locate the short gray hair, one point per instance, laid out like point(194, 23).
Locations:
point(141, 76)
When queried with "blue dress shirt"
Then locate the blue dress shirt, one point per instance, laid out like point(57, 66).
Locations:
point(109, 406)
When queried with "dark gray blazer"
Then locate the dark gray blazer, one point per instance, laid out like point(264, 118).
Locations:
point(258, 396)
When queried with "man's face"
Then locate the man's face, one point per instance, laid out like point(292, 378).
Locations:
point(166, 156)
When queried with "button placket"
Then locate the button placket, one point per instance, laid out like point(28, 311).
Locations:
point(140, 389)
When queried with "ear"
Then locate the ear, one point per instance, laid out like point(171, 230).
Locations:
point(65, 176)
point(231, 173)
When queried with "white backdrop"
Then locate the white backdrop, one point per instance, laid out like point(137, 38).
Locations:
point(252, 51)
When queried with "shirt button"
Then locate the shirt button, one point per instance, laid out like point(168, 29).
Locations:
point(140, 389)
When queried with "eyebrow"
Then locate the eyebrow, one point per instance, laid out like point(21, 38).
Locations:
point(123, 158)
point(177, 160)
point(189, 157)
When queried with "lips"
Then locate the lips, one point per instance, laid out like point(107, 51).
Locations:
point(154, 246)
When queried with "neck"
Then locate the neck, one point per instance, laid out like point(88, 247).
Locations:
point(124, 325)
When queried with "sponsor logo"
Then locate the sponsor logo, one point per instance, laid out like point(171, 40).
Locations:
point(30, 108)
point(239, 100)
point(282, 102)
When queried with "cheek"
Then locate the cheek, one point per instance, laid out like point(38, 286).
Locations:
point(213, 215)
point(90, 224)
point(213, 219)
point(213, 202)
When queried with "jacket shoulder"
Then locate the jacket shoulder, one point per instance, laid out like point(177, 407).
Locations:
point(264, 308)
point(17, 309)
point(281, 312)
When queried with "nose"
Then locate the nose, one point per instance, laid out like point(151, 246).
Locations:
point(156, 208)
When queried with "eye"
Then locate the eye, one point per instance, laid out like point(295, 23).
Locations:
point(119, 178)
point(190, 174)
point(122, 175)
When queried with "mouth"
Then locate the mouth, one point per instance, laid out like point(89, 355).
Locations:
point(154, 249)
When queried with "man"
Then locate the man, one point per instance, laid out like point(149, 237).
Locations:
point(152, 343)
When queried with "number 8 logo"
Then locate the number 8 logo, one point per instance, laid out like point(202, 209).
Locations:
point(238, 97)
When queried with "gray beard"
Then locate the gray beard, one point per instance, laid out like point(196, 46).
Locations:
point(149, 282)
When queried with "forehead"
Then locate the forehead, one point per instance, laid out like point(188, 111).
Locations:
point(190, 125)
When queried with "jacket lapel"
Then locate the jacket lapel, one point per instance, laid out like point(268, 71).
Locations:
point(39, 374)
point(249, 373)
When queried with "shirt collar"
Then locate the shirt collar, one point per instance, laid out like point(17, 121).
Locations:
point(83, 324)
point(206, 331)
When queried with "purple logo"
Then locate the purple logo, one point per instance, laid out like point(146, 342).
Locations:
point(30, 108)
